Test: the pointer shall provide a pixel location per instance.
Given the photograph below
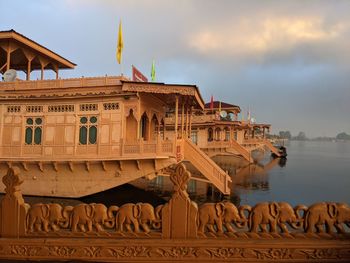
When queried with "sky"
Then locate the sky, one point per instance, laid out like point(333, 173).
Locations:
point(286, 61)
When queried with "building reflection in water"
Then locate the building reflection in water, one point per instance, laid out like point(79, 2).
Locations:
point(245, 178)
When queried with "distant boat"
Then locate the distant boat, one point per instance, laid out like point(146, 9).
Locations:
point(282, 152)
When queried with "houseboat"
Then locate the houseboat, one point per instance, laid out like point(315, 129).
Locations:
point(78, 136)
point(216, 130)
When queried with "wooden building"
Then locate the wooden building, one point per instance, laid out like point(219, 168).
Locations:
point(78, 136)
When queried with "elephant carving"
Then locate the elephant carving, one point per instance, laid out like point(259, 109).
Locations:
point(46, 215)
point(273, 215)
point(91, 215)
point(136, 215)
point(219, 214)
point(327, 215)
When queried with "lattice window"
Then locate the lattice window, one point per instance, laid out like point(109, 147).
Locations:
point(88, 107)
point(88, 130)
point(33, 132)
point(34, 108)
point(14, 108)
point(61, 108)
point(111, 106)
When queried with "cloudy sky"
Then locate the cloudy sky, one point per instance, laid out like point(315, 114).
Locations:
point(288, 61)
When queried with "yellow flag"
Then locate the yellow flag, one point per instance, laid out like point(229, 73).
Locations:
point(120, 44)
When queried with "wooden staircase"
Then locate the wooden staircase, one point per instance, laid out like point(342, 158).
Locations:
point(271, 147)
point(241, 150)
point(206, 166)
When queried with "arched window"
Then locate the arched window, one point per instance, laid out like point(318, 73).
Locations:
point(88, 130)
point(33, 131)
point(210, 134)
point(144, 125)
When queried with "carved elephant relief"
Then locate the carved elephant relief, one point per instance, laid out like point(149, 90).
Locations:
point(91, 215)
point(275, 214)
point(48, 216)
point(132, 216)
point(212, 215)
point(325, 216)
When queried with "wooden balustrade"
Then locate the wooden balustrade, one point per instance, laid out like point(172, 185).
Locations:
point(178, 230)
point(61, 83)
point(75, 152)
point(206, 166)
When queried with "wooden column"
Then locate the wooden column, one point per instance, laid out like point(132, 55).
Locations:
point(29, 56)
point(190, 124)
point(187, 120)
point(10, 48)
point(55, 68)
point(182, 119)
point(29, 69)
point(138, 129)
point(43, 62)
point(8, 59)
point(176, 115)
point(42, 73)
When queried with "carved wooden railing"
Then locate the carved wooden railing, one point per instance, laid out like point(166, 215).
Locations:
point(61, 83)
point(176, 231)
point(229, 146)
point(241, 150)
point(271, 147)
point(144, 148)
point(207, 166)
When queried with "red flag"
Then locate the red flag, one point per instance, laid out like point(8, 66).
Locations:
point(212, 102)
point(138, 76)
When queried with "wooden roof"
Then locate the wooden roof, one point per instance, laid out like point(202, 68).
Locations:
point(22, 48)
point(168, 91)
point(224, 106)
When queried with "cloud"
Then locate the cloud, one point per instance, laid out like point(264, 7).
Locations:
point(259, 38)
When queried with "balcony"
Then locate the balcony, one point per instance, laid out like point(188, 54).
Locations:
point(118, 151)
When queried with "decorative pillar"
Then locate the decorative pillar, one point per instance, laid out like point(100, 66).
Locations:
point(29, 56)
point(13, 208)
point(179, 215)
point(176, 115)
point(8, 59)
point(182, 119)
point(43, 62)
point(29, 69)
point(190, 124)
point(187, 121)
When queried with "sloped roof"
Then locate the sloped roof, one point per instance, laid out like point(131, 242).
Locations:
point(223, 105)
point(23, 42)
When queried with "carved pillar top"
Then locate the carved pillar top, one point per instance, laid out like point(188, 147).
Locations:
point(12, 180)
point(180, 214)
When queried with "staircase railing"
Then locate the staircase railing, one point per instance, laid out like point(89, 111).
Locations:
point(206, 166)
point(271, 147)
point(241, 150)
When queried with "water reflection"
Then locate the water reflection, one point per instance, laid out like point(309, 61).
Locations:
point(245, 178)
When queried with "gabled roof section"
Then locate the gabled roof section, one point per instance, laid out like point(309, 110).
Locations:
point(190, 93)
point(224, 105)
point(13, 41)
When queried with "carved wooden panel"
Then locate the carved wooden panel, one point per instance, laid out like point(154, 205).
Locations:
point(176, 231)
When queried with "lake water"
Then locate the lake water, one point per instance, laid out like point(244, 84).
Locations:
point(314, 172)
